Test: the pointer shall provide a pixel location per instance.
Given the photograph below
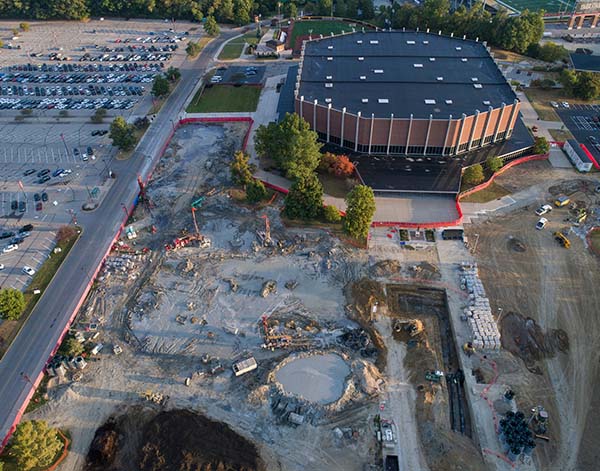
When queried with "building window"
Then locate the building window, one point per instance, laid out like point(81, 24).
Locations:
point(476, 142)
point(463, 147)
point(488, 139)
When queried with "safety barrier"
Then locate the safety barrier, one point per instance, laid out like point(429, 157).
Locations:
point(39, 378)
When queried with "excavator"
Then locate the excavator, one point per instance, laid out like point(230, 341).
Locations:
point(562, 239)
point(184, 241)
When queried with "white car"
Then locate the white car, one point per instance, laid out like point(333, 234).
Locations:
point(216, 79)
point(28, 271)
point(546, 208)
point(554, 104)
point(10, 248)
point(1, 266)
point(565, 104)
point(541, 224)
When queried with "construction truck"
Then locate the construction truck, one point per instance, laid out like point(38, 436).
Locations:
point(434, 376)
point(468, 348)
point(562, 239)
point(413, 326)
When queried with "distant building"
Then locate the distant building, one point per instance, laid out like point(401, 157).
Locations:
point(244, 366)
point(585, 10)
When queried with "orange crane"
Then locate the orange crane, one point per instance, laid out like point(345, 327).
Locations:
point(268, 241)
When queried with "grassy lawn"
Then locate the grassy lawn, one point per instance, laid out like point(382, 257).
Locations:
point(540, 100)
point(560, 135)
point(225, 98)
point(595, 241)
point(491, 193)
point(138, 133)
point(234, 48)
point(549, 6)
point(316, 27)
point(335, 186)
point(39, 396)
point(40, 281)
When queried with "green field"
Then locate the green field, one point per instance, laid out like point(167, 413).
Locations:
point(317, 27)
point(234, 48)
point(225, 99)
point(549, 6)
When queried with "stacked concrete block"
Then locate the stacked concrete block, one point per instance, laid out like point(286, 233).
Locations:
point(484, 330)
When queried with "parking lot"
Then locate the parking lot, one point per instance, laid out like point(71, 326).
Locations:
point(584, 123)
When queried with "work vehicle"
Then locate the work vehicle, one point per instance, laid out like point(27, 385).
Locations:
point(581, 216)
point(561, 201)
point(541, 224)
point(28, 270)
point(562, 239)
point(546, 208)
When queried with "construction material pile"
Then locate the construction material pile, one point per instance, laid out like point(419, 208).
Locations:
point(515, 435)
point(486, 335)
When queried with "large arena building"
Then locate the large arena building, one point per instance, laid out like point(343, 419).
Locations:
point(408, 93)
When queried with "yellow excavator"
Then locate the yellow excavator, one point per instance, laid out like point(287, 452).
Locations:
point(562, 239)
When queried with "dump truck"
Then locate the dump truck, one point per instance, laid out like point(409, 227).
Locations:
point(561, 200)
point(562, 239)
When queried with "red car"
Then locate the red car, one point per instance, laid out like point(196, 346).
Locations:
point(38, 206)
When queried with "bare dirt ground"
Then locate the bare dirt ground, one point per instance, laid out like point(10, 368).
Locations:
point(556, 357)
point(186, 316)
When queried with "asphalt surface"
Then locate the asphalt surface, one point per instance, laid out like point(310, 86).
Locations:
point(579, 120)
point(30, 351)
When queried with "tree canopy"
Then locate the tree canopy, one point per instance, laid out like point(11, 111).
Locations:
point(305, 198)
point(211, 27)
point(255, 191)
point(473, 175)
point(121, 134)
point(291, 144)
point(12, 303)
point(541, 145)
point(241, 169)
point(360, 209)
point(34, 444)
point(494, 163)
point(160, 86)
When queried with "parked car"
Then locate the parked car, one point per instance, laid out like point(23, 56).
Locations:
point(44, 196)
point(37, 197)
point(75, 151)
point(22, 206)
point(57, 172)
point(28, 270)
point(545, 208)
point(1, 266)
point(28, 172)
point(541, 224)
point(14, 204)
point(41, 173)
point(6, 234)
point(38, 206)
point(90, 151)
point(10, 248)
point(565, 104)
point(43, 179)
point(26, 228)
point(554, 104)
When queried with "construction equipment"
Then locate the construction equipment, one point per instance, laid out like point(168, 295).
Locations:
point(265, 237)
point(581, 216)
point(152, 396)
point(562, 239)
point(413, 326)
point(434, 376)
point(468, 348)
point(272, 340)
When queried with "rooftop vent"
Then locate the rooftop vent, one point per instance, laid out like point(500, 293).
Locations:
point(487, 102)
point(365, 100)
point(432, 59)
point(329, 47)
point(327, 100)
point(429, 102)
point(458, 48)
point(425, 42)
point(363, 77)
point(383, 100)
point(477, 85)
point(448, 102)
point(359, 41)
point(373, 41)
point(329, 85)
point(361, 58)
point(418, 66)
point(330, 58)
point(378, 71)
point(410, 42)
point(464, 59)
point(474, 79)
point(439, 79)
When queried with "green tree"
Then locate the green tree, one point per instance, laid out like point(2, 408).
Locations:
point(160, 86)
point(24, 26)
point(211, 27)
point(12, 303)
point(98, 116)
point(360, 209)
point(568, 79)
point(331, 214)
point(473, 175)
point(241, 11)
point(290, 10)
point(588, 85)
point(305, 198)
point(34, 444)
point(324, 7)
point(173, 74)
point(241, 169)
point(121, 134)
point(71, 347)
point(255, 191)
point(225, 11)
point(193, 49)
point(541, 145)
point(366, 7)
point(291, 144)
point(548, 52)
point(494, 164)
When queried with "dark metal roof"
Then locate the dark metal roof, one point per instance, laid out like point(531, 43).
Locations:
point(405, 68)
point(579, 151)
point(585, 62)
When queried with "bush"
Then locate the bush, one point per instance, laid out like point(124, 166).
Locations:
point(173, 74)
point(494, 164)
point(305, 198)
point(255, 191)
point(193, 49)
point(331, 214)
point(27, 112)
point(12, 304)
point(71, 347)
point(24, 26)
point(35, 445)
point(241, 169)
point(360, 210)
point(541, 146)
point(473, 175)
point(327, 160)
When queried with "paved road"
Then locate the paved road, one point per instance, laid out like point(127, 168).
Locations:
point(28, 355)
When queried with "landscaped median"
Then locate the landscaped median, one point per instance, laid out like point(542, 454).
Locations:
point(234, 48)
point(66, 238)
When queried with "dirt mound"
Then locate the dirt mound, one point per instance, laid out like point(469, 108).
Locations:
point(385, 268)
point(180, 440)
point(516, 245)
point(568, 187)
point(524, 338)
point(103, 448)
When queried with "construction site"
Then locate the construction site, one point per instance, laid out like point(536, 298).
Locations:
point(220, 338)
